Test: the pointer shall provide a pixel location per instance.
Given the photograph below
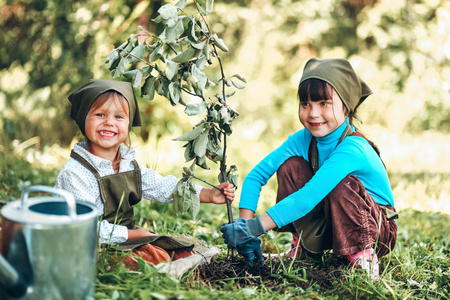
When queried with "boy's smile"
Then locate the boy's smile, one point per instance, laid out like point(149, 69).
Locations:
point(107, 127)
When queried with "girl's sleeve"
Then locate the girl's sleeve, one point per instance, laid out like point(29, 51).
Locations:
point(80, 184)
point(264, 170)
point(347, 159)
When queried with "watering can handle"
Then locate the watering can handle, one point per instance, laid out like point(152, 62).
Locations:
point(64, 194)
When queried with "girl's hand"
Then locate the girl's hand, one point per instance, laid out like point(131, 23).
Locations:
point(139, 232)
point(216, 196)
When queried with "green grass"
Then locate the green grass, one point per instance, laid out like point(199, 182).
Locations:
point(418, 268)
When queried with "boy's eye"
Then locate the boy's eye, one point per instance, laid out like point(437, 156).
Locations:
point(99, 115)
point(119, 117)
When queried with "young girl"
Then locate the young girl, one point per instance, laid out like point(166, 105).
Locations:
point(333, 188)
point(103, 172)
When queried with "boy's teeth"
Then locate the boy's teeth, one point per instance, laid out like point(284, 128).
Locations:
point(106, 133)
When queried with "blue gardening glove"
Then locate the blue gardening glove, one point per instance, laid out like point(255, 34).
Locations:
point(241, 232)
point(250, 250)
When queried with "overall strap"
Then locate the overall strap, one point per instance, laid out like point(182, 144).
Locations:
point(313, 152)
point(85, 163)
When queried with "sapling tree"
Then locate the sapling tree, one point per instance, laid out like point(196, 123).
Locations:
point(172, 64)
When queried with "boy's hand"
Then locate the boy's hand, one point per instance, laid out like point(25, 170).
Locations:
point(217, 197)
point(139, 232)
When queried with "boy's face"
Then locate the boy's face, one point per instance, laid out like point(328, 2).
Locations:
point(324, 116)
point(107, 126)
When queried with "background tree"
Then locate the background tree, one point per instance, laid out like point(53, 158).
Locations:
point(48, 48)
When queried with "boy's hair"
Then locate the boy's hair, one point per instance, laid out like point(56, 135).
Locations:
point(102, 98)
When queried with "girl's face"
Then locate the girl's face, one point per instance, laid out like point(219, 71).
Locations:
point(324, 116)
point(107, 125)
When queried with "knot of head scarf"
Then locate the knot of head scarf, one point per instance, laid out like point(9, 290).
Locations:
point(85, 95)
point(340, 75)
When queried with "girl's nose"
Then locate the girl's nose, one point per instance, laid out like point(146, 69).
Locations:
point(314, 111)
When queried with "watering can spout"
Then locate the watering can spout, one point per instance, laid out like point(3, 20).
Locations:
point(16, 272)
point(10, 281)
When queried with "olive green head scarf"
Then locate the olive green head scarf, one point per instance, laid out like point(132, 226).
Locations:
point(84, 96)
point(341, 76)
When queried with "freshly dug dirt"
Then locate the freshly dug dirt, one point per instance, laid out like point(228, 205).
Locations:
point(272, 273)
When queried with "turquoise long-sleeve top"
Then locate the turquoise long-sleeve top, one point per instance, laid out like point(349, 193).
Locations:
point(353, 155)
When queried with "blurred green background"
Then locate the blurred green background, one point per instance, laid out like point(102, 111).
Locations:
point(401, 48)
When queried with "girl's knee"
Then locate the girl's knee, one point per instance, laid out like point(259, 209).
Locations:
point(349, 185)
point(293, 164)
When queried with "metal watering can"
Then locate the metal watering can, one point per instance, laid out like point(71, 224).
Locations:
point(48, 247)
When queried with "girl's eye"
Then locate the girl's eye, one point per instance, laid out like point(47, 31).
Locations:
point(99, 115)
point(304, 104)
point(119, 117)
point(324, 103)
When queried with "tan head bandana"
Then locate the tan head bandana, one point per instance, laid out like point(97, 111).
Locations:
point(84, 96)
point(341, 76)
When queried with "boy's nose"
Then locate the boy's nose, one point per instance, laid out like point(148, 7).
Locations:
point(109, 121)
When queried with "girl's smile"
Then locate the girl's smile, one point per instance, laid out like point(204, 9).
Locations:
point(324, 116)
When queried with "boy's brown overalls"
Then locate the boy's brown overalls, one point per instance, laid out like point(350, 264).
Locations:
point(119, 192)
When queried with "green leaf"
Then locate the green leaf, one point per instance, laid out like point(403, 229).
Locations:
point(174, 93)
point(200, 144)
point(146, 70)
point(191, 31)
point(168, 11)
point(120, 69)
point(237, 85)
point(241, 78)
point(185, 56)
point(156, 54)
point(171, 34)
point(199, 77)
point(112, 56)
point(224, 115)
point(189, 152)
point(207, 53)
point(182, 100)
point(201, 63)
point(213, 151)
point(130, 74)
point(198, 45)
point(219, 43)
point(195, 206)
point(148, 89)
point(195, 109)
point(181, 4)
point(171, 70)
point(201, 162)
point(137, 80)
point(234, 180)
point(205, 7)
point(191, 135)
point(138, 53)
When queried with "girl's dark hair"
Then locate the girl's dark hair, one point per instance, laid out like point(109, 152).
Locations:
point(314, 90)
